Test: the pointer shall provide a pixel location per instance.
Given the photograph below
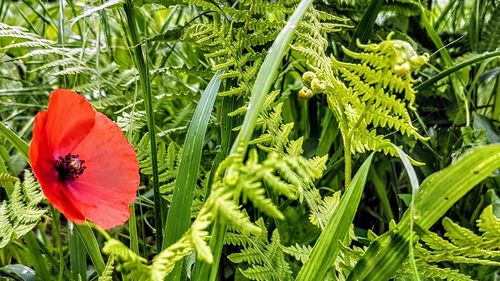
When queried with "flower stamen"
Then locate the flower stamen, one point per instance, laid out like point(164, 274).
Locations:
point(69, 167)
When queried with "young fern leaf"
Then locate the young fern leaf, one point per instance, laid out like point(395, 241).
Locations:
point(129, 262)
point(20, 214)
point(321, 209)
point(372, 93)
point(265, 259)
point(137, 268)
point(299, 252)
point(107, 274)
point(168, 164)
point(6, 177)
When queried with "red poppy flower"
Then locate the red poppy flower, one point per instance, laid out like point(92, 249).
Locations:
point(83, 162)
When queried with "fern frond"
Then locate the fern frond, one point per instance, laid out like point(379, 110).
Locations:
point(132, 122)
point(259, 273)
point(459, 235)
point(299, 252)
point(426, 270)
point(130, 263)
point(226, 208)
point(20, 214)
point(165, 261)
point(7, 178)
point(261, 256)
point(107, 274)
point(489, 224)
point(324, 209)
point(375, 91)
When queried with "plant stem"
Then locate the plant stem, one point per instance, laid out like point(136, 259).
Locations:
point(146, 88)
point(455, 68)
point(56, 220)
point(347, 161)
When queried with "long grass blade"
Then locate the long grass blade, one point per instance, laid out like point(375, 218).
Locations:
point(179, 214)
point(327, 247)
point(455, 68)
point(436, 195)
point(90, 243)
point(20, 145)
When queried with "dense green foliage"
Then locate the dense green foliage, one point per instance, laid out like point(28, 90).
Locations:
point(253, 123)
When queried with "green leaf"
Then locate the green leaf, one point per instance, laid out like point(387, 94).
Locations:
point(18, 272)
point(179, 215)
point(327, 247)
point(89, 12)
point(436, 195)
point(450, 70)
point(16, 141)
point(90, 242)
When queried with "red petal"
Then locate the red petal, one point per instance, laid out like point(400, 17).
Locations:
point(70, 117)
point(42, 162)
point(111, 178)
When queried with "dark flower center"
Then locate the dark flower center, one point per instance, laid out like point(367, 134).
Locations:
point(69, 167)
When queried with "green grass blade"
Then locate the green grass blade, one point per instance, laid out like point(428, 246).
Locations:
point(90, 242)
point(441, 190)
point(142, 68)
point(329, 133)
point(457, 67)
point(381, 191)
point(179, 214)
point(20, 145)
point(412, 175)
point(42, 273)
point(448, 61)
point(365, 25)
point(263, 83)
point(229, 104)
point(77, 257)
point(327, 247)
point(436, 195)
point(267, 76)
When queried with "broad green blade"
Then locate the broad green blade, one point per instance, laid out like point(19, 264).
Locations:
point(21, 146)
point(90, 242)
point(327, 247)
point(436, 195)
point(179, 215)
